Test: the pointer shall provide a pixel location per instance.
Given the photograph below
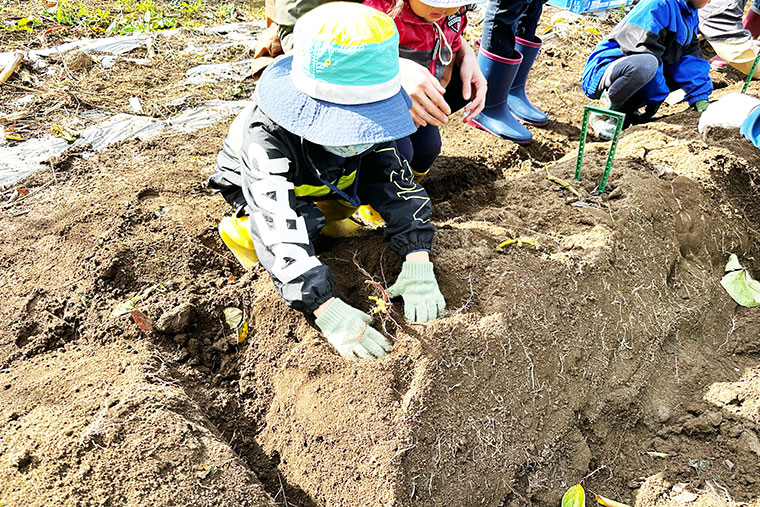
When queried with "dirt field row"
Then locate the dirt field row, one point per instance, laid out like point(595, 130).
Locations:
point(607, 353)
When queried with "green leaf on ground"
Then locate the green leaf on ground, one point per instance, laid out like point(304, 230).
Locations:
point(574, 497)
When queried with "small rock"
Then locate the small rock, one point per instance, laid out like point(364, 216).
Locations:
point(616, 192)
point(663, 412)
point(77, 60)
point(680, 494)
point(729, 464)
point(22, 460)
point(734, 430)
point(108, 269)
point(193, 346)
point(181, 355)
point(705, 423)
point(714, 418)
point(176, 320)
point(748, 442)
point(180, 339)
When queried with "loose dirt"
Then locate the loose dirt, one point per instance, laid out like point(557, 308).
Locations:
point(607, 353)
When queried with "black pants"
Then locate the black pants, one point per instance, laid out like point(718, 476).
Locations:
point(423, 147)
point(507, 19)
point(622, 81)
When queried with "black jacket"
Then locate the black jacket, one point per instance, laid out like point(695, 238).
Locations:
point(275, 177)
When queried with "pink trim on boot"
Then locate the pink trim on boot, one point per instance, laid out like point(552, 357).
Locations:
point(501, 59)
point(528, 43)
point(717, 63)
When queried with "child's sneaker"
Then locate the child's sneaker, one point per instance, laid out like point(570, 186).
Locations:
point(604, 126)
point(605, 101)
point(341, 228)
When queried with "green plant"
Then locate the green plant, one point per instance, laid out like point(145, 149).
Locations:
point(26, 24)
point(66, 13)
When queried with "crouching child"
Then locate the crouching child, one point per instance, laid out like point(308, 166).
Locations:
point(651, 52)
point(318, 142)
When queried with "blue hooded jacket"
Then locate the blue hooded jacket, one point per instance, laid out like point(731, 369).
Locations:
point(751, 127)
point(666, 29)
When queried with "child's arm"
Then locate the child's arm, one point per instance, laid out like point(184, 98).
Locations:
point(428, 106)
point(387, 185)
point(639, 32)
point(692, 73)
point(472, 81)
point(280, 234)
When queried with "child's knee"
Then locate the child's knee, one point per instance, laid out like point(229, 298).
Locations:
point(642, 67)
point(405, 148)
point(427, 147)
point(425, 155)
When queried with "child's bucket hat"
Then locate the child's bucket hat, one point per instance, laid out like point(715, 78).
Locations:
point(341, 84)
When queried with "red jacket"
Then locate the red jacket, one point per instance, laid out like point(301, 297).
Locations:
point(420, 41)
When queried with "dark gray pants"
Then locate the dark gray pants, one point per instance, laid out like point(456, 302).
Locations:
point(626, 76)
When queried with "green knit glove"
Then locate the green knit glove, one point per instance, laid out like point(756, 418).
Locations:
point(423, 301)
point(701, 105)
point(349, 331)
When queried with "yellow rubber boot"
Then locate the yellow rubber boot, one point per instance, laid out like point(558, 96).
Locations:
point(339, 224)
point(335, 210)
point(341, 229)
point(234, 233)
point(370, 217)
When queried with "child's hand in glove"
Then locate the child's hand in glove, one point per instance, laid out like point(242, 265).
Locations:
point(423, 301)
point(349, 331)
point(701, 105)
point(729, 111)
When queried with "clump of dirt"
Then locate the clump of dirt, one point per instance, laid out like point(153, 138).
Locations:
point(605, 352)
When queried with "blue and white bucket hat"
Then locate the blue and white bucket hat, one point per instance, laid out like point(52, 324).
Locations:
point(341, 84)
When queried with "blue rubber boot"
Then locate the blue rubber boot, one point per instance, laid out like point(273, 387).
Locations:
point(495, 117)
point(518, 102)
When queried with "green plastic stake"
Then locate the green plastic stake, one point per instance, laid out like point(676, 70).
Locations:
point(750, 74)
point(620, 117)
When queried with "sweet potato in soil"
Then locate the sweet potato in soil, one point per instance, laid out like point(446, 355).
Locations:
point(571, 360)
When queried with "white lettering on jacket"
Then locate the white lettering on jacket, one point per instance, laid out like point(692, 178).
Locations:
point(276, 222)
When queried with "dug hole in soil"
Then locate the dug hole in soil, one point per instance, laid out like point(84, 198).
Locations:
point(607, 352)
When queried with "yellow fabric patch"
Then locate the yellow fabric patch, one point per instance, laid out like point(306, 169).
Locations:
point(359, 25)
point(318, 191)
